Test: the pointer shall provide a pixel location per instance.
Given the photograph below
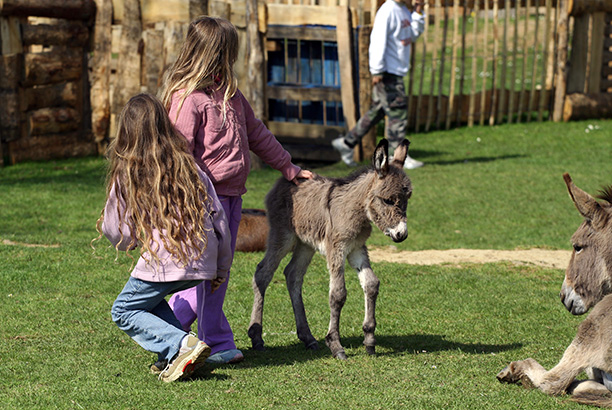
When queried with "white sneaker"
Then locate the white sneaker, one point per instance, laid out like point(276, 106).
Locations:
point(346, 152)
point(411, 163)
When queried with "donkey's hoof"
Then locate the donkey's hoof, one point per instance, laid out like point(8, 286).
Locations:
point(340, 355)
point(314, 345)
point(259, 347)
point(370, 349)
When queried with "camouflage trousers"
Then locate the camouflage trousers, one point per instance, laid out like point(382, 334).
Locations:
point(388, 98)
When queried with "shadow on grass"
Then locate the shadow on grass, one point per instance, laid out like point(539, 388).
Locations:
point(477, 159)
point(393, 345)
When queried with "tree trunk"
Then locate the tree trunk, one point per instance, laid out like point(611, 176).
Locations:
point(56, 95)
point(53, 121)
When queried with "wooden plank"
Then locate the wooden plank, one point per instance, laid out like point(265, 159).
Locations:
point(368, 142)
point(52, 146)
point(561, 76)
point(347, 66)
point(494, 101)
point(543, 79)
point(56, 95)
point(578, 106)
point(317, 132)
point(11, 41)
point(53, 120)
point(53, 67)
point(439, 108)
point(152, 65)
point(596, 51)
point(462, 73)
point(302, 15)
point(534, 67)
point(521, 105)
point(65, 9)
point(504, 64)
point(296, 93)
point(484, 63)
point(255, 61)
point(127, 78)
point(72, 34)
point(434, 65)
point(454, 47)
point(302, 33)
point(419, 102)
point(515, 38)
point(10, 112)
point(581, 7)
point(100, 72)
point(474, 66)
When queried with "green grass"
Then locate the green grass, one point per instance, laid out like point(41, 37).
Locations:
point(443, 331)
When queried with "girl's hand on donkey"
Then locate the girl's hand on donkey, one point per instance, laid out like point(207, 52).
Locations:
point(215, 283)
point(303, 174)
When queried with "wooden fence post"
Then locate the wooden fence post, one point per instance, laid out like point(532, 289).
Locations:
point(561, 80)
point(100, 74)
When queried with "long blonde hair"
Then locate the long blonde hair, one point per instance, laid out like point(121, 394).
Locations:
point(205, 62)
point(157, 179)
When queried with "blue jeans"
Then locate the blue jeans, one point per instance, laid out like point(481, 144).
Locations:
point(142, 312)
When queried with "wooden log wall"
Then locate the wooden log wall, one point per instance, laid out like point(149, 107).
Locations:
point(44, 80)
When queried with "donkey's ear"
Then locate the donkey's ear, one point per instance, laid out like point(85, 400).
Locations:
point(401, 152)
point(588, 207)
point(381, 158)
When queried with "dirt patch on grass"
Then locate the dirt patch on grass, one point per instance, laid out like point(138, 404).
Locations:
point(557, 259)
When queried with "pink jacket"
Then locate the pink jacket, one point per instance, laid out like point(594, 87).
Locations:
point(221, 147)
point(214, 262)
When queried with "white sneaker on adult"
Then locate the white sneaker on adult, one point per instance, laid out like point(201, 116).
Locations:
point(346, 152)
point(411, 163)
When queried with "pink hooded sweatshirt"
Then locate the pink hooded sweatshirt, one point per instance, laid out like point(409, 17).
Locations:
point(214, 262)
point(221, 144)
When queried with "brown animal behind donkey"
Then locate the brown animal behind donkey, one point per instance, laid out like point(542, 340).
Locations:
point(332, 216)
point(588, 283)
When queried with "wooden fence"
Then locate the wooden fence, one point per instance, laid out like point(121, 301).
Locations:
point(303, 64)
point(44, 88)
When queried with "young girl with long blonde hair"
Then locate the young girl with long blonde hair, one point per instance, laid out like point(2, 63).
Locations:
point(201, 94)
point(158, 200)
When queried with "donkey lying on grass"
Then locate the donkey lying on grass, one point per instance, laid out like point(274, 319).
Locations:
point(332, 216)
point(588, 283)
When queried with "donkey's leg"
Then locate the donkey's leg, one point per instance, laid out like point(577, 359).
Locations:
point(359, 260)
point(557, 380)
point(294, 276)
point(337, 298)
point(277, 249)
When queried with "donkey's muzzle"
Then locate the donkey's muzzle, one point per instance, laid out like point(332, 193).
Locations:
point(399, 233)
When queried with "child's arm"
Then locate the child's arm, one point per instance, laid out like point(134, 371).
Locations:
point(113, 226)
point(263, 143)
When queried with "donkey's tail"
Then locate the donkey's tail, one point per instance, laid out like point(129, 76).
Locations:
point(593, 399)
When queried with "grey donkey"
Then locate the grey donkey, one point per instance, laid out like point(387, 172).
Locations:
point(332, 216)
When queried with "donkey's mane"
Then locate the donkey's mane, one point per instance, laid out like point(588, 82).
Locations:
point(351, 177)
point(606, 194)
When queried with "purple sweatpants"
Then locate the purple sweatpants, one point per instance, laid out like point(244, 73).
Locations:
point(213, 326)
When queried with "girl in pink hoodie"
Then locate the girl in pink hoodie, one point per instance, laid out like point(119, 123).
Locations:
point(201, 94)
point(158, 200)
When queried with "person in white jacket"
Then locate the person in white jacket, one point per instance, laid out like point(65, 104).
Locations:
point(395, 29)
point(158, 200)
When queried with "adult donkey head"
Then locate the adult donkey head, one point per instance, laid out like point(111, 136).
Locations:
point(588, 277)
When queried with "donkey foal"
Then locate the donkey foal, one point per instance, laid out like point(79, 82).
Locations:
point(332, 216)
